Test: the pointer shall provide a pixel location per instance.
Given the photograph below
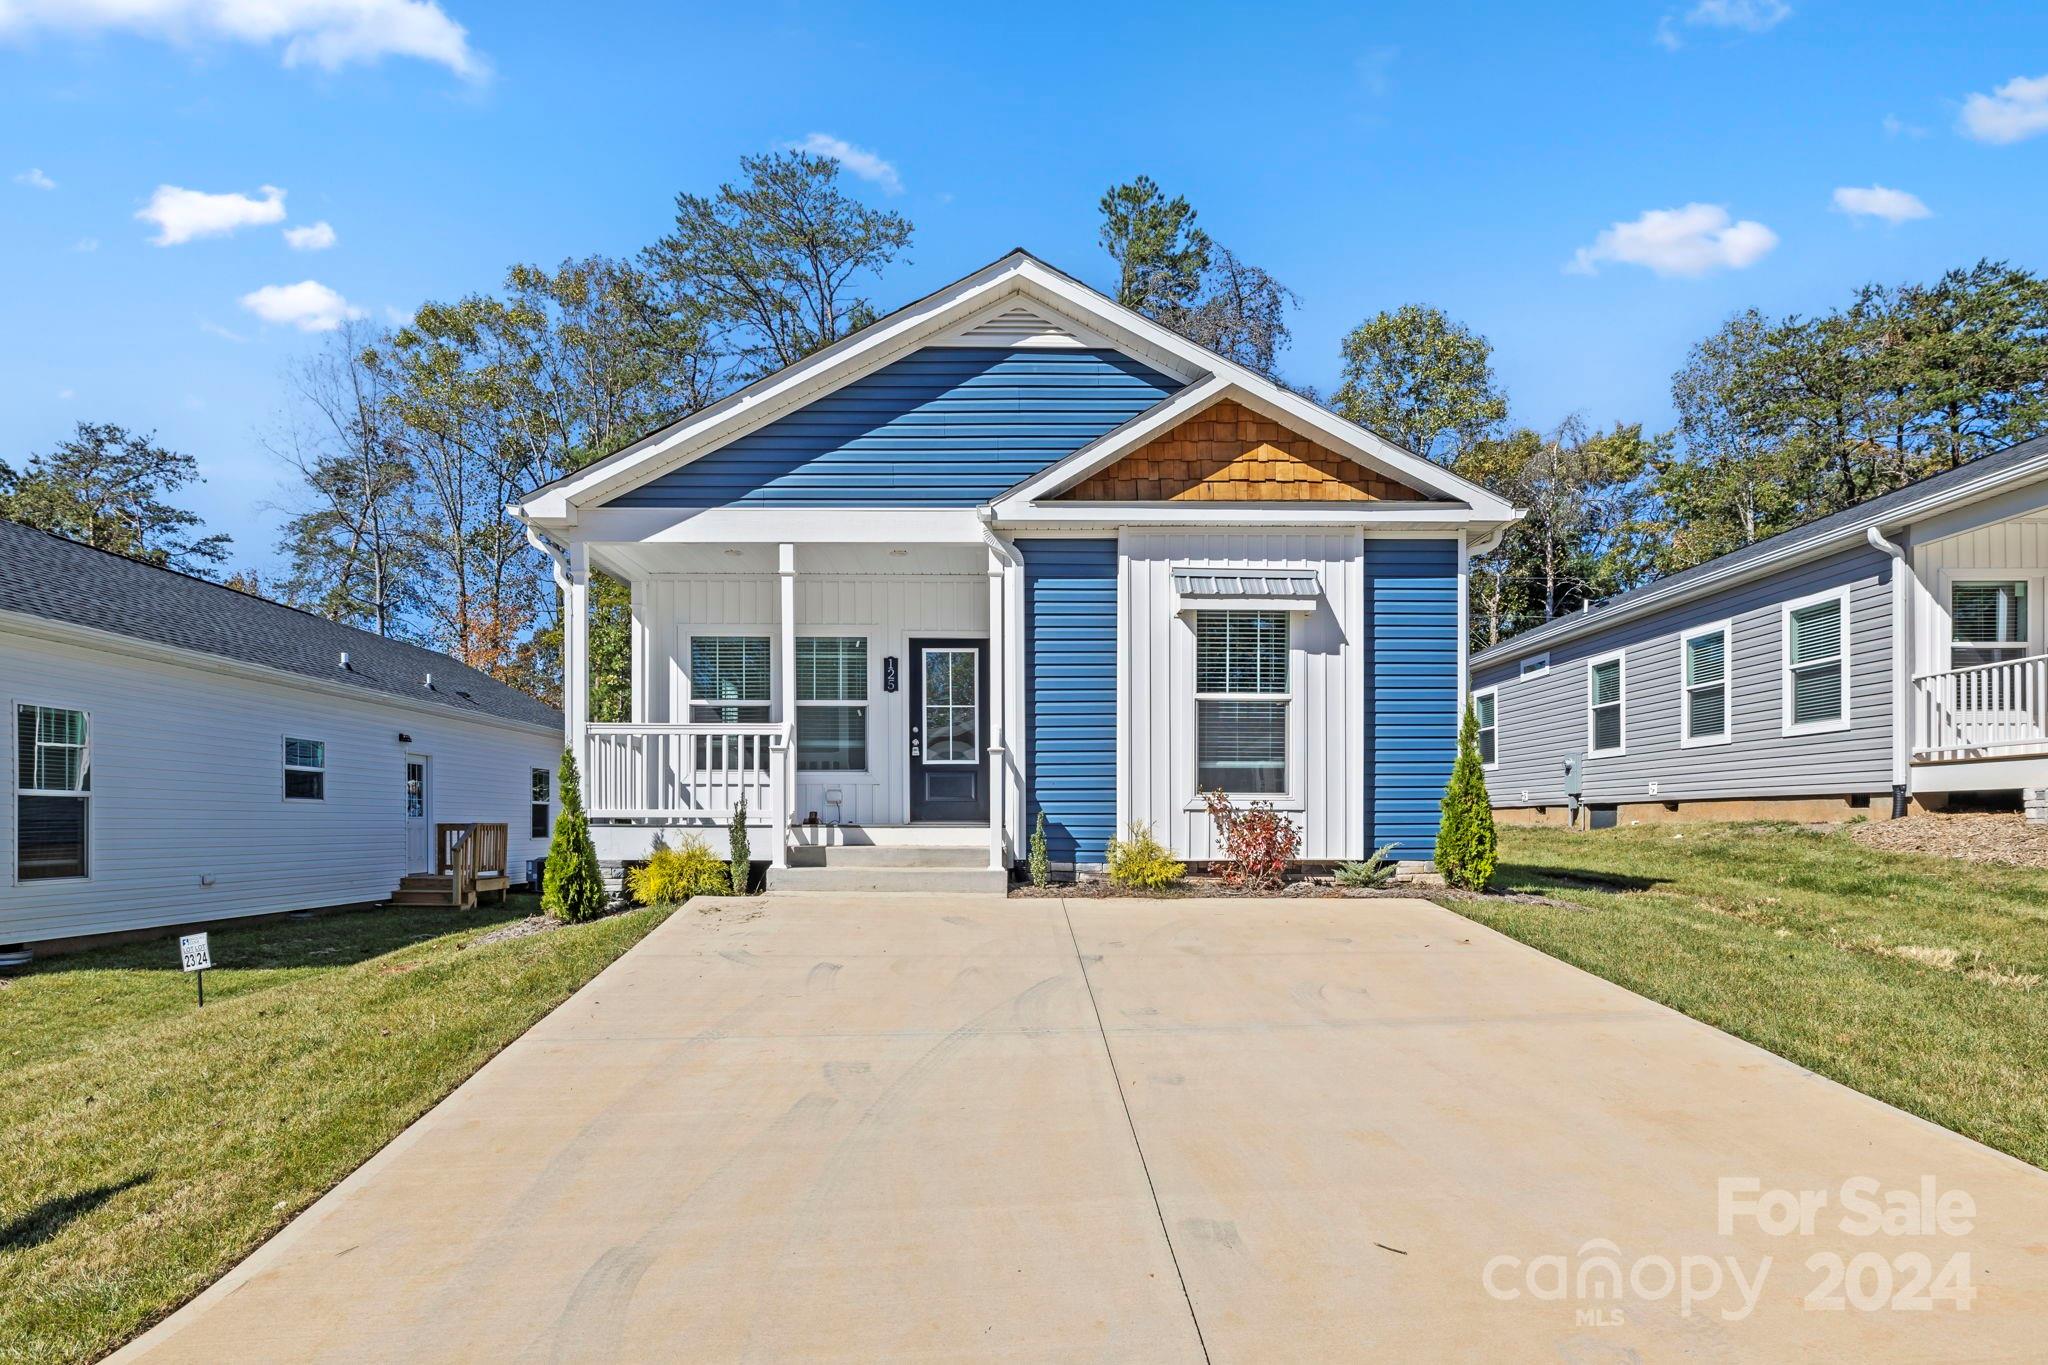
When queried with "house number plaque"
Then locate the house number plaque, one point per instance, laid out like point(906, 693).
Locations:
point(889, 673)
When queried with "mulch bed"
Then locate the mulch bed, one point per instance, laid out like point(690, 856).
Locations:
point(2000, 837)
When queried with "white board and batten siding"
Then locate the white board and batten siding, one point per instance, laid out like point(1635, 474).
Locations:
point(1327, 712)
point(1542, 720)
point(888, 610)
point(188, 819)
point(2014, 548)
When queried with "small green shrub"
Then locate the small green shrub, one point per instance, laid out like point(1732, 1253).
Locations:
point(1467, 846)
point(671, 876)
point(572, 888)
point(1041, 862)
point(1139, 862)
point(741, 871)
point(1377, 870)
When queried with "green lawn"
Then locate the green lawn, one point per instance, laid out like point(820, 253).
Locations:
point(1922, 981)
point(148, 1145)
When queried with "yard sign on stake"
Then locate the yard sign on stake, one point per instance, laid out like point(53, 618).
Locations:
point(194, 955)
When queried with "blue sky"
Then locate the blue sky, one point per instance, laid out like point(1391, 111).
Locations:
point(1469, 156)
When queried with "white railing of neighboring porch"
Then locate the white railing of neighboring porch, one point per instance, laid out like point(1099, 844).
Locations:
point(666, 771)
point(1990, 711)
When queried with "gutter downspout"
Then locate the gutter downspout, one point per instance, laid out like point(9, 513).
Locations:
point(1901, 681)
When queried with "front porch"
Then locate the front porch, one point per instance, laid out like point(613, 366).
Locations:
point(848, 695)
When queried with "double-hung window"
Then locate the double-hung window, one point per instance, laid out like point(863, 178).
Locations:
point(305, 770)
point(1989, 622)
point(1241, 697)
point(542, 805)
point(1704, 662)
point(1816, 677)
point(832, 704)
point(729, 679)
point(1486, 710)
point(52, 792)
point(1606, 705)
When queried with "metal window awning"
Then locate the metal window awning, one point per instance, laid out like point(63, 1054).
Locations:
point(1242, 590)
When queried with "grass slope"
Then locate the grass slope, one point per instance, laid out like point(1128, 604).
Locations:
point(150, 1145)
point(1921, 981)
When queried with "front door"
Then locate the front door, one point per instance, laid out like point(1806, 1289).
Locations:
point(419, 843)
point(949, 731)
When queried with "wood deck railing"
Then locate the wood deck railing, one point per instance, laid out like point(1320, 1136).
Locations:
point(1990, 711)
point(473, 858)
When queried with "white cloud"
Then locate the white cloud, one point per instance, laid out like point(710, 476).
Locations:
point(1875, 201)
point(1688, 242)
point(181, 215)
point(1667, 35)
point(325, 33)
point(66, 395)
point(33, 177)
point(1894, 126)
point(2013, 112)
point(859, 160)
point(318, 237)
point(212, 328)
point(1751, 16)
point(308, 305)
point(86, 244)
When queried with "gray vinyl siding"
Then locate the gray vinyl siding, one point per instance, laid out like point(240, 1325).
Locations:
point(1542, 720)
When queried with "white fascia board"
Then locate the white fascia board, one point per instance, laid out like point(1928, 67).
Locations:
point(113, 642)
point(775, 525)
point(1373, 517)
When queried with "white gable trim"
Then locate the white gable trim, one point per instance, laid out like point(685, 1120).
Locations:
point(1081, 311)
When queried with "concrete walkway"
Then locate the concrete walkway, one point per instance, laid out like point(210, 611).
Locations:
point(866, 1128)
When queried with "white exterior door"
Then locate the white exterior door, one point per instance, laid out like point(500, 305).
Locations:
point(419, 827)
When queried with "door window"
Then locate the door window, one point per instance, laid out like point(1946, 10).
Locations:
point(952, 711)
point(416, 791)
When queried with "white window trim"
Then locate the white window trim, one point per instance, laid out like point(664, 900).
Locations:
point(864, 705)
point(974, 748)
point(1493, 692)
point(1726, 630)
point(1289, 797)
point(284, 748)
point(1951, 579)
point(1535, 666)
point(1812, 727)
point(685, 666)
point(13, 814)
point(1619, 656)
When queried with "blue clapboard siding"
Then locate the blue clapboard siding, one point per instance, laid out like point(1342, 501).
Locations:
point(1070, 694)
point(1411, 679)
point(944, 427)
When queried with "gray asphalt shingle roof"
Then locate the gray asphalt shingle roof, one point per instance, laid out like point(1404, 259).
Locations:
point(1888, 509)
point(59, 580)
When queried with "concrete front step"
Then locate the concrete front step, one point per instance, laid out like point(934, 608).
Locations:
point(901, 880)
point(889, 855)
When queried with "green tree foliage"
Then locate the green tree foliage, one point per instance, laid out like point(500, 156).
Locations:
point(671, 876)
point(1467, 846)
point(1785, 422)
point(106, 487)
point(572, 888)
point(1174, 273)
point(1418, 378)
point(1589, 524)
point(742, 858)
point(775, 259)
point(1040, 864)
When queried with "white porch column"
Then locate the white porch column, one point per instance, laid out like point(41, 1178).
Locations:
point(783, 784)
point(998, 709)
point(576, 656)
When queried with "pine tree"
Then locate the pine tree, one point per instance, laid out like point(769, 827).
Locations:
point(572, 889)
point(742, 871)
point(1041, 860)
point(1466, 845)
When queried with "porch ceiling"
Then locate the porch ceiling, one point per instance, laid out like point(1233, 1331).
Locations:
point(650, 560)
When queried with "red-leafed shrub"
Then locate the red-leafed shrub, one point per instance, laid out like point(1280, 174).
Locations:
point(1261, 842)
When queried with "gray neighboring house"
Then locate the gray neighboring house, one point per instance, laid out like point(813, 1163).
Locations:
point(1885, 658)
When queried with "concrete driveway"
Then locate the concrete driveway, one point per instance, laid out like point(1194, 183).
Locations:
point(868, 1127)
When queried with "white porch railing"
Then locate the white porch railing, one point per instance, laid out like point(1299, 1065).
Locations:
point(664, 771)
point(1990, 711)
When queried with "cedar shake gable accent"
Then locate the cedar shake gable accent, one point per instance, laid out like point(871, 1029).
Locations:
point(1228, 453)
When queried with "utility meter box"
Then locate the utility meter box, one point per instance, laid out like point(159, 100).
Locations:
point(1573, 781)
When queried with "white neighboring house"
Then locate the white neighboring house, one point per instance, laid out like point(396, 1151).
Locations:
point(183, 752)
